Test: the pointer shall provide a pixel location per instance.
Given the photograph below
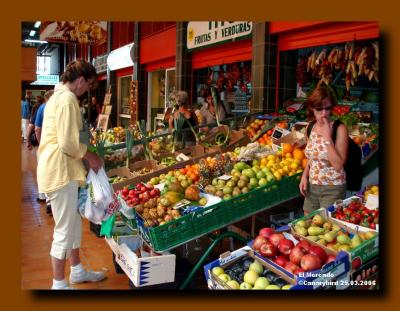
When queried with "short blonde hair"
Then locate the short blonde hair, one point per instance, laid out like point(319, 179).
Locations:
point(182, 98)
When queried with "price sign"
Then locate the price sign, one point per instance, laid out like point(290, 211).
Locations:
point(372, 202)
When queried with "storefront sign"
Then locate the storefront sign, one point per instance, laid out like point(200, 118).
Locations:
point(200, 34)
point(121, 57)
point(46, 80)
point(83, 32)
point(100, 63)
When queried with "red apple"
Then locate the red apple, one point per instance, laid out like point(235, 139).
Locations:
point(125, 191)
point(356, 263)
point(268, 250)
point(154, 192)
point(275, 238)
point(281, 260)
point(305, 245)
point(135, 201)
point(258, 241)
point(318, 251)
point(131, 193)
point(149, 186)
point(330, 259)
point(266, 232)
point(310, 262)
point(285, 246)
point(290, 266)
point(296, 254)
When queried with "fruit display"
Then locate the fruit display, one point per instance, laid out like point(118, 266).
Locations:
point(295, 257)
point(371, 189)
point(168, 161)
point(112, 136)
point(116, 179)
point(249, 273)
point(329, 234)
point(255, 127)
point(354, 211)
point(161, 145)
point(115, 158)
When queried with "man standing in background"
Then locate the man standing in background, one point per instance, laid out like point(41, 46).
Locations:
point(25, 114)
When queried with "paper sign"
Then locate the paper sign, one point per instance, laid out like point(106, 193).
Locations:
point(225, 177)
point(372, 201)
point(181, 157)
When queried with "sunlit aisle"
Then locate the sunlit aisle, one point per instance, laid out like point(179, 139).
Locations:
point(36, 237)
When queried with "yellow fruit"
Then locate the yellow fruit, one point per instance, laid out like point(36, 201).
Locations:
point(288, 155)
point(299, 171)
point(297, 161)
point(286, 169)
point(294, 165)
point(374, 189)
point(298, 154)
point(287, 148)
point(278, 176)
point(281, 171)
point(270, 163)
point(263, 161)
point(271, 157)
point(291, 173)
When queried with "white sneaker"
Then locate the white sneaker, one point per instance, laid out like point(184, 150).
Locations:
point(86, 276)
point(66, 287)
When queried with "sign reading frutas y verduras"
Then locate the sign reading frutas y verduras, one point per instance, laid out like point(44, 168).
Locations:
point(200, 34)
point(83, 32)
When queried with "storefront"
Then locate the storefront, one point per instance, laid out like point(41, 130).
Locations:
point(221, 58)
point(160, 72)
point(120, 61)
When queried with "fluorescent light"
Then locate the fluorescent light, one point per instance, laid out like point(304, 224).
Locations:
point(35, 41)
point(37, 24)
point(32, 33)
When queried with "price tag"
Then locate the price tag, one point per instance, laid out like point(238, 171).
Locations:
point(181, 157)
point(225, 177)
point(372, 201)
point(181, 204)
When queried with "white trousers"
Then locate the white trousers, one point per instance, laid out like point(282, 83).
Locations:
point(24, 127)
point(68, 222)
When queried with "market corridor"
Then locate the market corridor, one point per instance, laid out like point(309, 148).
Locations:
point(36, 237)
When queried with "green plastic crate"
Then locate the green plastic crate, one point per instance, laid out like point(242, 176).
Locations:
point(288, 187)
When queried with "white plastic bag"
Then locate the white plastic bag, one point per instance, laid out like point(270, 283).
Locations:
point(101, 200)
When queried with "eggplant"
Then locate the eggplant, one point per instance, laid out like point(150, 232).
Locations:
point(247, 263)
point(271, 276)
point(280, 282)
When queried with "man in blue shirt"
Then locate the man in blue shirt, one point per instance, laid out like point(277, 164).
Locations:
point(25, 113)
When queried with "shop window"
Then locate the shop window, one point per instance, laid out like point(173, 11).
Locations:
point(161, 85)
point(232, 81)
point(123, 100)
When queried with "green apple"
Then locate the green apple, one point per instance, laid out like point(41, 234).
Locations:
point(260, 175)
point(233, 284)
point(253, 182)
point(272, 287)
point(256, 267)
point(261, 283)
point(262, 182)
point(287, 286)
point(245, 285)
point(217, 271)
point(224, 277)
point(250, 277)
point(265, 170)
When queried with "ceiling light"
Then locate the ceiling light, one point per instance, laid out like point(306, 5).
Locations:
point(35, 41)
point(32, 33)
point(37, 24)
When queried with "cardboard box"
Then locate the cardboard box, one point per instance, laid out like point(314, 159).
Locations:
point(142, 271)
point(357, 256)
point(366, 276)
point(295, 138)
point(227, 259)
point(322, 278)
point(331, 211)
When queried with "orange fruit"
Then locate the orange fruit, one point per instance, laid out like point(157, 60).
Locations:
point(304, 163)
point(286, 148)
point(298, 154)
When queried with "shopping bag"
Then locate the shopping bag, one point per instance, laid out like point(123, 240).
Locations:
point(101, 201)
point(107, 226)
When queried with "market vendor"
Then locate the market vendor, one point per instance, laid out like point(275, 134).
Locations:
point(324, 179)
point(182, 100)
point(61, 171)
point(210, 109)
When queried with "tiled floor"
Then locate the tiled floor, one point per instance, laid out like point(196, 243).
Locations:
point(36, 238)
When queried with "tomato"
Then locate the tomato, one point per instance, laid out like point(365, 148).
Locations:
point(372, 226)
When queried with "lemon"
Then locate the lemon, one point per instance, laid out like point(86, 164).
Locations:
point(294, 165)
point(271, 157)
point(374, 189)
point(277, 175)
